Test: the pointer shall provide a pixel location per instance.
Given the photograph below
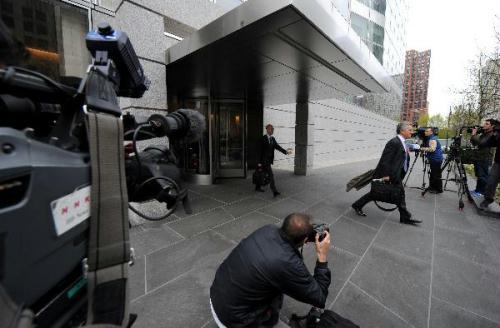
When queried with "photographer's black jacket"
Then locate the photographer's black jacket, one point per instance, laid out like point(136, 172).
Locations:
point(484, 153)
point(265, 155)
point(263, 266)
point(493, 140)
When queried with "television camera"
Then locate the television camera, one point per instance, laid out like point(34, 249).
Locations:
point(62, 157)
point(420, 132)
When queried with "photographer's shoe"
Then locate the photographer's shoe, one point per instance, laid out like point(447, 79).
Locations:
point(484, 204)
point(358, 211)
point(276, 193)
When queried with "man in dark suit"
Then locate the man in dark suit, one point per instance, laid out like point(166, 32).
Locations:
point(265, 157)
point(392, 168)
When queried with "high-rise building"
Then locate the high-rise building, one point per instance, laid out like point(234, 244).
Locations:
point(381, 24)
point(416, 82)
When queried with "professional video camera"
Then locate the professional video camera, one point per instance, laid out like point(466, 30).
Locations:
point(478, 127)
point(420, 132)
point(56, 142)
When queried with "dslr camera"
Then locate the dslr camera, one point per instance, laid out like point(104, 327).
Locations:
point(320, 229)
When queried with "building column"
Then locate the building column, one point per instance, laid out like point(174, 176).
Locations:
point(304, 139)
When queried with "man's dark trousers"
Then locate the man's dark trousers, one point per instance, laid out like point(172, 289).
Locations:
point(482, 171)
point(403, 212)
point(494, 178)
point(267, 168)
point(435, 182)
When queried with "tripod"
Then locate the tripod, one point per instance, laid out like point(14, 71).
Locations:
point(425, 170)
point(453, 163)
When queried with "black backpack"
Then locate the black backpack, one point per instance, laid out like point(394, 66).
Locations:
point(317, 318)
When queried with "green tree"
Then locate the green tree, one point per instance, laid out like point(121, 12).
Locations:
point(423, 120)
point(437, 121)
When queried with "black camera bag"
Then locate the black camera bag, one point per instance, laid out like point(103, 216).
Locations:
point(261, 177)
point(322, 319)
point(386, 193)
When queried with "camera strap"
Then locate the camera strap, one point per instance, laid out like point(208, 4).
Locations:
point(109, 250)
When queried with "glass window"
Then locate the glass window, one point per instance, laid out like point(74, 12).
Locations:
point(378, 5)
point(360, 25)
point(378, 34)
point(53, 33)
point(378, 52)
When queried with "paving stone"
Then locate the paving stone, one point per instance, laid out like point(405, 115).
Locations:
point(168, 263)
point(232, 194)
point(444, 314)
point(200, 204)
point(238, 229)
point(281, 209)
point(374, 216)
point(364, 311)
point(247, 205)
point(426, 216)
point(475, 288)
point(406, 239)
point(192, 225)
point(341, 264)
point(471, 246)
point(137, 274)
point(183, 302)
point(322, 212)
point(150, 239)
point(351, 236)
point(400, 283)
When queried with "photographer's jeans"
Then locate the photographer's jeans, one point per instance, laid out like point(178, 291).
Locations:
point(482, 171)
point(493, 179)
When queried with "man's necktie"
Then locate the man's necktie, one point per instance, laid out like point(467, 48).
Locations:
point(407, 164)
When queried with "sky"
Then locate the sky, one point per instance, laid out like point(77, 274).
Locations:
point(455, 31)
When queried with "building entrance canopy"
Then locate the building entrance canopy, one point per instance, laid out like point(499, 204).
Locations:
point(275, 52)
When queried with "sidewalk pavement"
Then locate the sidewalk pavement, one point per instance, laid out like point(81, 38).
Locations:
point(443, 273)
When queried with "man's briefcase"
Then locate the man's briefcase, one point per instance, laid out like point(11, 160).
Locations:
point(386, 193)
point(261, 177)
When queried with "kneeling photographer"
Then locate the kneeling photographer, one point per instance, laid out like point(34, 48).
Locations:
point(249, 285)
point(492, 140)
point(434, 154)
point(482, 157)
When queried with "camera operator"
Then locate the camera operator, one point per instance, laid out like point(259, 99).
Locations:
point(493, 140)
point(434, 154)
point(483, 157)
point(249, 285)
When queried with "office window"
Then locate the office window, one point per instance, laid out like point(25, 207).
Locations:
point(53, 33)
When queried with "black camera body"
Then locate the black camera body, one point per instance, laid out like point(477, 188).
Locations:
point(320, 229)
point(420, 132)
point(480, 129)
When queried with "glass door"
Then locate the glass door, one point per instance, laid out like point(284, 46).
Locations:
point(229, 139)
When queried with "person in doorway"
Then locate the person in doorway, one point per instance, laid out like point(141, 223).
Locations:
point(265, 157)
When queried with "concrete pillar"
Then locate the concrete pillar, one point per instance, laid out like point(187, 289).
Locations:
point(304, 139)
